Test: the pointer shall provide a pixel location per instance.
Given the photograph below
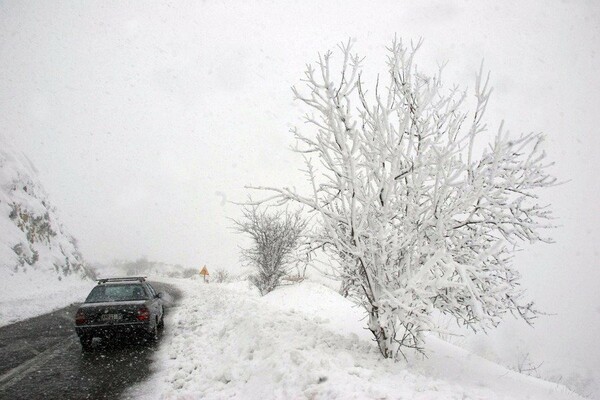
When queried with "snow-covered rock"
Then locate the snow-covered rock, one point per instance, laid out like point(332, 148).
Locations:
point(41, 267)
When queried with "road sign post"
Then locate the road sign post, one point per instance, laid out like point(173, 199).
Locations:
point(204, 273)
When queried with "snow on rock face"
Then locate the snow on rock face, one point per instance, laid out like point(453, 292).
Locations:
point(37, 255)
point(301, 342)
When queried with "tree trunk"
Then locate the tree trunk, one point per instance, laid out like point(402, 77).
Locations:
point(384, 334)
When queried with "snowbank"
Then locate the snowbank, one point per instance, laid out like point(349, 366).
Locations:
point(306, 341)
point(29, 294)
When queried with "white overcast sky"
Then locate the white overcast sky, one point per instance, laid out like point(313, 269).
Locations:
point(145, 118)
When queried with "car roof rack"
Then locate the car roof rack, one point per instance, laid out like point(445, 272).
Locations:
point(123, 279)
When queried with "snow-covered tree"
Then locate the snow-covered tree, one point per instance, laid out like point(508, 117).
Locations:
point(275, 236)
point(417, 214)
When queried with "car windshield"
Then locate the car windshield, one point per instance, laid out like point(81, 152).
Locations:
point(104, 293)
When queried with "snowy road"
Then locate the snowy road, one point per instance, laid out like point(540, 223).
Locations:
point(224, 341)
point(40, 358)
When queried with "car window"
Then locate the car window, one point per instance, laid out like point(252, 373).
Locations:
point(151, 290)
point(104, 293)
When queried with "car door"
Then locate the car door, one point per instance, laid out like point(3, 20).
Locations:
point(156, 303)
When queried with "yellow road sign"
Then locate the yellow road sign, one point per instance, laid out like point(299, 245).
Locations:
point(204, 271)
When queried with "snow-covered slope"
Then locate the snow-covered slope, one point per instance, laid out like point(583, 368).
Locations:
point(306, 341)
point(40, 265)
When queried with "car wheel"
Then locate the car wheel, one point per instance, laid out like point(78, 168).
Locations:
point(153, 334)
point(86, 343)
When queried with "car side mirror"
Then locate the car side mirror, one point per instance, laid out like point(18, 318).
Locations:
point(159, 295)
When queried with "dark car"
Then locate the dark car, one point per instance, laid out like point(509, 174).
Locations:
point(120, 307)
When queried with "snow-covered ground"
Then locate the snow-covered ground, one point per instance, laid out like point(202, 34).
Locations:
point(306, 341)
point(32, 293)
